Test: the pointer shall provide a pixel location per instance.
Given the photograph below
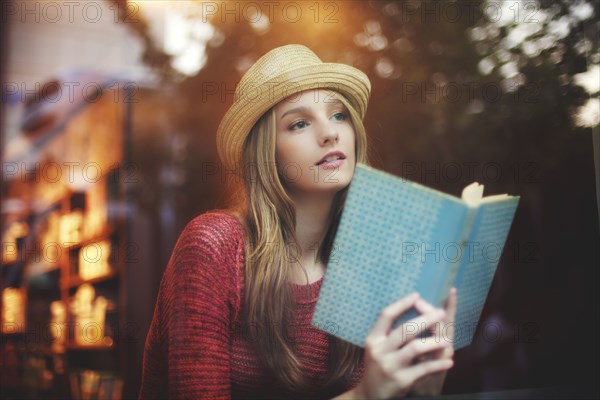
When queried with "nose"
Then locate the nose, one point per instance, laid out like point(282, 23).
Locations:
point(329, 134)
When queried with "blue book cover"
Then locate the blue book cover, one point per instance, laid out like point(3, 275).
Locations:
point(396, 237)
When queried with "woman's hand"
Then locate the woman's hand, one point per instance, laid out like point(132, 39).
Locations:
point(393, 359)
point(431, 385)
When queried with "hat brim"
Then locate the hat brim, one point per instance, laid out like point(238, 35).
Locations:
point(250, 105)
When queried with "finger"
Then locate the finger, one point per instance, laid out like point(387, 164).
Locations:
point(451, 304)
point(447, 352)
point(409, 330)
point(430, 314)
point(419, 370)
point(390, 313)
point(423, 306)
point(418, 348)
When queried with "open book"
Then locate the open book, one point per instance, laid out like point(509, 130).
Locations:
point(396, 237)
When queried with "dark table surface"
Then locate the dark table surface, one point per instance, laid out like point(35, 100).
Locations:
point(569, 393)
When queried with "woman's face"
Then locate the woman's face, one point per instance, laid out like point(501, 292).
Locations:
point(315, 143)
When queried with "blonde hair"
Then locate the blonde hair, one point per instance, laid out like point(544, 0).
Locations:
point(269, 217)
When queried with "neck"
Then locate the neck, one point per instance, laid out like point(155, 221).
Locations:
point(312, 213)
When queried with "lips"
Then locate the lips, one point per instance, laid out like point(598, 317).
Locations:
point(332, 156)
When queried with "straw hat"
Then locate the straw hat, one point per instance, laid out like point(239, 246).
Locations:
point(283, 72)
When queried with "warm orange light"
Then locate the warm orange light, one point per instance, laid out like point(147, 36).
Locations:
point(13, 310)
point(93, 260)
point(95, 218)
point(57, 326)
point(90, 313)
point(9, 241)
point(70, 228)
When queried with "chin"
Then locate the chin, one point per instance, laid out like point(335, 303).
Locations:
point(337, 182)
point(327, 181)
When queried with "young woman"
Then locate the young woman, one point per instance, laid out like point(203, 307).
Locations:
point(232, 319)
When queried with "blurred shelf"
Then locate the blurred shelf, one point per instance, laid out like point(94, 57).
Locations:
point(75, 280)
point(10, 264)
point(45, 271)
point(11, 336)
point(95, 347)
point(56, 212)
point(104, 235)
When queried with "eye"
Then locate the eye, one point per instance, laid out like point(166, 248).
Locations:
point(298, 125)
point(340, 116)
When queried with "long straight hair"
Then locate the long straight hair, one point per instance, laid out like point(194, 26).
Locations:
point(269, 216)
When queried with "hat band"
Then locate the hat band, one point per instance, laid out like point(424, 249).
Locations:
point(292, 83)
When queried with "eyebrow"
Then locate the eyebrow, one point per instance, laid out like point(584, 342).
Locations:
point(305, 109)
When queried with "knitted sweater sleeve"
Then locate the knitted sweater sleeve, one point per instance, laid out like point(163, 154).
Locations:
point(187, 348)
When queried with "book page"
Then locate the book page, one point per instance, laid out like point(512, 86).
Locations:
point(473, 195)
point(489, 199)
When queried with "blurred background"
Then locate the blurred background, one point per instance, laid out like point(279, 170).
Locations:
point(109, 114)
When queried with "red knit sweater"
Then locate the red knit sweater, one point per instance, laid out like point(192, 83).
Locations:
point(196, 347)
